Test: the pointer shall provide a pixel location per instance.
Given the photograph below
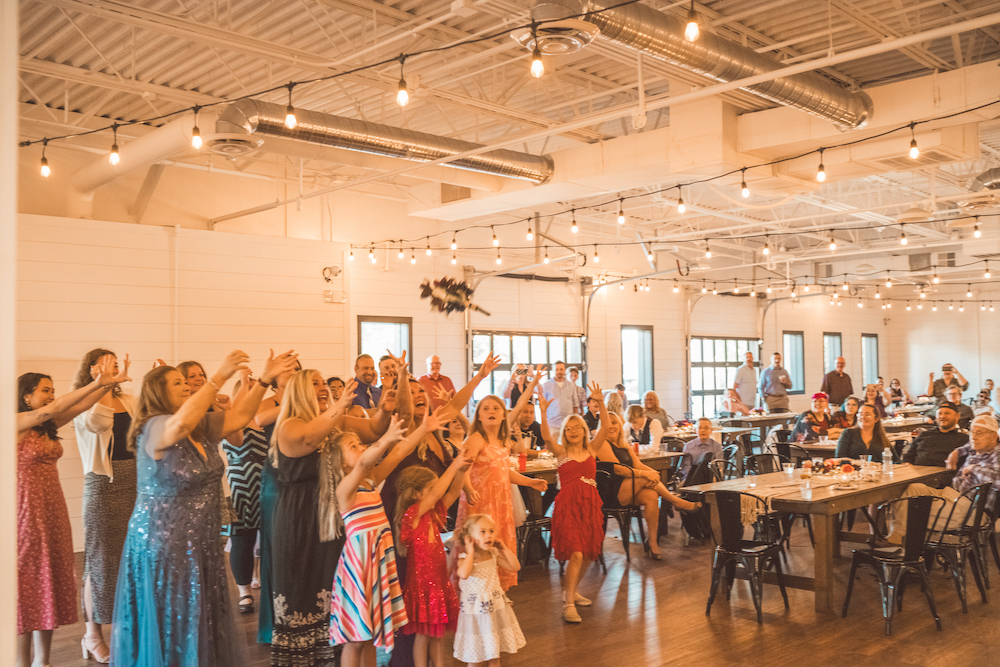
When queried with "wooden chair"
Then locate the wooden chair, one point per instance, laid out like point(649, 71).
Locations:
point(891, 564)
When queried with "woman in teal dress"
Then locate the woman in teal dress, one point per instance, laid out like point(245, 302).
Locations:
point(172, 606)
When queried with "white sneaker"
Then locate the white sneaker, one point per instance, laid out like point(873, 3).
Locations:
point(570, 615)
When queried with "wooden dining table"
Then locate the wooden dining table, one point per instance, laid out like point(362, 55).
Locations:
point(547, 468)
point(784, 493)
point(762, 422)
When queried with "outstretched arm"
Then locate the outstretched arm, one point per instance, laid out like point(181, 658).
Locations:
point(550, 442)
point(447, 412)
point(522, 401)
point(385, 467)
point(347, 489)
point(602, 433)
point(443, 488)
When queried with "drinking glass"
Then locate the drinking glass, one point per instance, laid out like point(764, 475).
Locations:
point(789, 468)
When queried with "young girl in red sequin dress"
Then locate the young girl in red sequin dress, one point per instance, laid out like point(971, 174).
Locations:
point(431, 602)
point(577, 520)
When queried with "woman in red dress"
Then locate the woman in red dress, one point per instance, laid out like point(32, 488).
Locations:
point(46, 578)
point(577, 520)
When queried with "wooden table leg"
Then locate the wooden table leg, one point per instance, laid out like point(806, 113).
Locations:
point(824, 531)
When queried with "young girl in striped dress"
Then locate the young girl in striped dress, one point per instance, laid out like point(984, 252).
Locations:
point(367, 605)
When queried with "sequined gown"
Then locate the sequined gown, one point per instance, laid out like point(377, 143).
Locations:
point(490, 476)
point(172, 607)
point(431, 601)
point(577, 520)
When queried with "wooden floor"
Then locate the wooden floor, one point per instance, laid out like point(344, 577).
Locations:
point(653, 613)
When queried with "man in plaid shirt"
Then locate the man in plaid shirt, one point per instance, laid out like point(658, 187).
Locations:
point(982, 466)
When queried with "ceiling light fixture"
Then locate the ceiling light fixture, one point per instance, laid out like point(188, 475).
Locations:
point(708, 250)
point(914, 151)
point(767, 246)
point(692, 30)
point(113, 157)
point(744, 190)
point(833, 242)
point(496, 241)
point(975, 231)
point(574, 228)
point(537, 66)
point(902, 238)
point(680, 200)
point(351, 256)
point(290, 120)
point(499, 261)
point(546, 260)
point(530, 235)
point(821, 172)
point(195, 132)
point(454, 259)
point(621, 212)
point(454, 241)
point(597, 258)
point(968, 293)
point(402, 94)
point(413, 256)
point(45, 171)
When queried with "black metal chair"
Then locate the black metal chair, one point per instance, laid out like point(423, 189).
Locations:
point(791, 452)
point(891, 564)
point(723, 470)
point(731, 452)
point(987, 538)
point(782, 434)
point(955, 539)
point(751, 444)
point(623, 514)
point(533, 527)
point(762, 464)
point(673, 444)
point(754, 556)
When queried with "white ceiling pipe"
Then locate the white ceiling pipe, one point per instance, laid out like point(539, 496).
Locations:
point(149, 149)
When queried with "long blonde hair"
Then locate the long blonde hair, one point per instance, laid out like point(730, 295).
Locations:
point(615, 405)
point(656, 401)
point(618, 442)
point(566, 422)
point(154, 400)
point(470, 525)
point(413, 480)
point(299, 402)
point(331, 473)
point(477, 426)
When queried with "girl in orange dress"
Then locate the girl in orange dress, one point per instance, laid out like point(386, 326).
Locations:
point(577, 520)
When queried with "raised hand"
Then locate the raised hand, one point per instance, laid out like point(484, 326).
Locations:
point(276, 365)
point(441, 395)
point(492, 361)
point(431, 422)
point(595, 392)
point(539, 374)
point(158, 363)
point(347, 397)
point(400, 360)
point(395, 431)
point(235, 361)
point(469, 542)
point(388, 400)
point(104, 372)
point(123, 373)
point(543, 403)
point(223, 401)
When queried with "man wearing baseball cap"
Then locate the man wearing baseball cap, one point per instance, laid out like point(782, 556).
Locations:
point(981, 466)
point(932, 447)
point(949, 376)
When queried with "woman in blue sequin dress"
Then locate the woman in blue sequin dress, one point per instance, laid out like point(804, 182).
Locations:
point(172, 607)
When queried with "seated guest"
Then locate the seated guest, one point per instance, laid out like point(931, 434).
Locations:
point(874, 397)
point(592, 416)
point(982, 466)
point(615, 405)
point(653, 410)
point(620, 390)
point(814, 422)
point(982, 400)
point(642, 429)
point(703, 444)
point(847, 416)
point(336, 387)
point(527, 432)
point(868, 438)
point(898, 395)
point(932, 447)
point(734, 405)
point(965, 413)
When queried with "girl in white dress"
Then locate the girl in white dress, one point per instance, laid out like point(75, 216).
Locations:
point(487, 626)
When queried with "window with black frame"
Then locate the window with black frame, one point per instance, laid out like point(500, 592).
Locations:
point(537, 349)
point(714, 362)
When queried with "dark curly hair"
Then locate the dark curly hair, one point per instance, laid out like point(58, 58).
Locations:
point(26, 385)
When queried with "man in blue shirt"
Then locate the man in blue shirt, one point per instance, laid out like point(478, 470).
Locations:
point(367, 395)
point(703, 444)
point(774, 385)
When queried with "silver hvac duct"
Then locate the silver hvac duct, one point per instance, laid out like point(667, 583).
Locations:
point(661, 36)
point(265, 118)
point(988, 180)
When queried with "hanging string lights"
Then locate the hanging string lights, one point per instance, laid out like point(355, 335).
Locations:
point(44, 165)
point(691, 29)
point(402, 94)
point(821, 172)
point(914, 151)
point(291, 122)
point(113, 157)
point(195, 132)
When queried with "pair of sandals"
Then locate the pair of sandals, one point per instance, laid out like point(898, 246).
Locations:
point(246, 604)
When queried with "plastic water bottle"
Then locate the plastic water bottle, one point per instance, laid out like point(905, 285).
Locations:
point(887, 461)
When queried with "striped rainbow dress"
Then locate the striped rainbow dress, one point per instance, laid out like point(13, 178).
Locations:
point(367, 602)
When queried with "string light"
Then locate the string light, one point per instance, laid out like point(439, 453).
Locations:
point(923, 295)
point(575, 228)
point(714, 290)
point(428, 246)
point(680, 200)
point(621, 211)
point(402, 94)
point(499, 260)
point(987, 274)
point(413, 256)
point(546, 260)
point(736, 287)
point(45, 171)
point(768, 285)
point(454, 242)
point(649, 256)
point(846, 286)
point(621, 286)
point(832, 301)
point(935, 278)
point(934, 307)
point(692, 30)
point(648, 287)
point(860, 304)
point(371, 254)
point(704, 288)
point(951, 306)
point(753, 292)
point(888, 304)
point(806, 288)
point(597, 258)
point(708, 251)
point(914, 151)
point(351, 256)
point(902, 238)
point(531, 234)
point(793, 290)
point(537, 66)
point(113, 157)
point(290, 120)
point(961, 308)
point(744, 190)
point(991, 307)
point(908, 307)
point(767, 246)
point(982, 307)
point(888, 281)
point(400, 251)
point(454, 258)
point(833, 242)
point(676, 287)
point(496, 241)
point(878, 294)
point(968, 293)
point(195, 132)
point(976, 231)
point(821, 172)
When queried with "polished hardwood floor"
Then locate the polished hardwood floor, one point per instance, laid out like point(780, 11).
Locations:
point(653, 613)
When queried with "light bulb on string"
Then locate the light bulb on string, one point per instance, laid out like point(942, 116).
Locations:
point(113, 157)
point(914, 151)
point(934, 278)
point(454, 258)
point(454, 242)
point(991, 307)
point(961, 308)
point(691, 28)
point(982, 307)
point(821, 172)
point(371, 254)
point(44, 165)
point(499, 260)
point(402, 94)
point(714, 290)
point(428, 246)
point(597, 258)
point(621, 211)
point(496, 241)
point(968, 293)
point(920, 306)
point(860, 304)
point(846, 286)
point(833, 242)
point(413, 256)
point(987, 273)
point(400, 255)
point(923, 294)
point(902, 238)
point(574, 228)
point(195, 132)
point(649, 256)
point(676, 288)
point(767, 246)
point(708, 251)
point(680, 200)
point(975, 231)
point(546, 260)
point(704, 288)
point(934, 307)
point(878, 295)
point(888, 281)
point(793, 290)
point(351, 256)
point(530, 235)
point(753, 291)
point(951, 306)
point(768, 285)
point(806, 287)
point(908, 307)
point(621, 286)
point(736, 287)
point(744, 190)
point(290, 120)
point(888, 304)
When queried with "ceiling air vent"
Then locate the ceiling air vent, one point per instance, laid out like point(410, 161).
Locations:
point(451, 193)
point(946, 259)
point(920, 261)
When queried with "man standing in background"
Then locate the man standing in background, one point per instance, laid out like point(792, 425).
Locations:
point(837, 384)
point(562, 394)
point(746, 382)
point(949, 376)
point(434, 380)
point(774, 385)
point(581, 393)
